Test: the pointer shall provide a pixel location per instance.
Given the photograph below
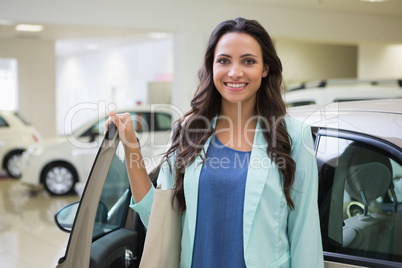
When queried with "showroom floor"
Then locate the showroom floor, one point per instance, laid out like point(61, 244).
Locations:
point(29, 236)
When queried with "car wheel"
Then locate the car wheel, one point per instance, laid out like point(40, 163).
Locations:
point(59, 178)
point(12, 163)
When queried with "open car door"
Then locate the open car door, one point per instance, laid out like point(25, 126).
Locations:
point(105, 232)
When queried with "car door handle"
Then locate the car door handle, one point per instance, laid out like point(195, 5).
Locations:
point(129, 258)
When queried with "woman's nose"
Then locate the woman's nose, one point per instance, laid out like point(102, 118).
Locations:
point(235, 71)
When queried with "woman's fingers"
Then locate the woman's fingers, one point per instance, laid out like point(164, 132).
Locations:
point(109, 120)
point(113, 117)
point(125, 127)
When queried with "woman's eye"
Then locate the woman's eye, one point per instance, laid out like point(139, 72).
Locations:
point(223, 61)
point(249, 61)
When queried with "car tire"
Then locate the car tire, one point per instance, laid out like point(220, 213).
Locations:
point(11, 163)
point(59, 178)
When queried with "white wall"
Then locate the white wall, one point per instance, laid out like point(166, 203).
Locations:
point(189, 49)
point(380, 61)
point(36, 80)
point(119, 76)
point(305, 61)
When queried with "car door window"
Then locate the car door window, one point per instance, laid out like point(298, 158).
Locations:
point(360, 195)
point(115, 196)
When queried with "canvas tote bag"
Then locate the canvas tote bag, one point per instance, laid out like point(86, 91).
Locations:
point(162, 245)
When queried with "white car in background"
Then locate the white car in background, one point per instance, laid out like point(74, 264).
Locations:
point(16, 135)
point(340, 90)
point(63, 164)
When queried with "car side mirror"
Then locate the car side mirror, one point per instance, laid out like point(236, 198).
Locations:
point(65, 217)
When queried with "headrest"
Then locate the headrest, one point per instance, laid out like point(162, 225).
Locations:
point(372, 178)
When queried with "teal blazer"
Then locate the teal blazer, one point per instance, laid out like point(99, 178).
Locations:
point(274, 235)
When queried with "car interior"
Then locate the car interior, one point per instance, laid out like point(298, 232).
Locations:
point(359, 209)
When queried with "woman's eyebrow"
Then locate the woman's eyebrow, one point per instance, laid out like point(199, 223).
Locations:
point(248, 55)
point(223, 55)
point(242, 56)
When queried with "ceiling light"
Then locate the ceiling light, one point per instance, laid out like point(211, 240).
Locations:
point(374, 1)
point(29, 28)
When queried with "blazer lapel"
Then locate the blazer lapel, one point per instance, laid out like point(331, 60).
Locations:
point(257, 176)
point(191, 182)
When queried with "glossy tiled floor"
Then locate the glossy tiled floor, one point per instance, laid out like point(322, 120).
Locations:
point(28, 235)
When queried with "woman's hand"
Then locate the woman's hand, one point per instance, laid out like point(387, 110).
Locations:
point(125, 126)
point(137, 173)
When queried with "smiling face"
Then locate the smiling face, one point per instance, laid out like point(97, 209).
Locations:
point(238, 68)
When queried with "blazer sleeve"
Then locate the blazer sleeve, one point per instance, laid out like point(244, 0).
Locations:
point(303, 222)
point(165, 179)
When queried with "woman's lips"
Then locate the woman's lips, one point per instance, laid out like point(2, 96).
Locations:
point(235, 86)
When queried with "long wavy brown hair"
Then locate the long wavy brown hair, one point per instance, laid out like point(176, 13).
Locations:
point(206, 104)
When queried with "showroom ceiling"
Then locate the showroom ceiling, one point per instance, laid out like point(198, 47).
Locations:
point(58, 30)
point(388, 8)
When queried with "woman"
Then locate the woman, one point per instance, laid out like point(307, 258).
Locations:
point(245, 181)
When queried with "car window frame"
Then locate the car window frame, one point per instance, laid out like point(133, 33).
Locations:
point(386, 146)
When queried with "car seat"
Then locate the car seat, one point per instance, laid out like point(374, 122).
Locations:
point(377, 232)
point(366, 183)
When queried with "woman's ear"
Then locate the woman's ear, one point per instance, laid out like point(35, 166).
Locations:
point(265, 70)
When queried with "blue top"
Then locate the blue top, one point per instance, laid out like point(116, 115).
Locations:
point(273, 234)
point(219, 228)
